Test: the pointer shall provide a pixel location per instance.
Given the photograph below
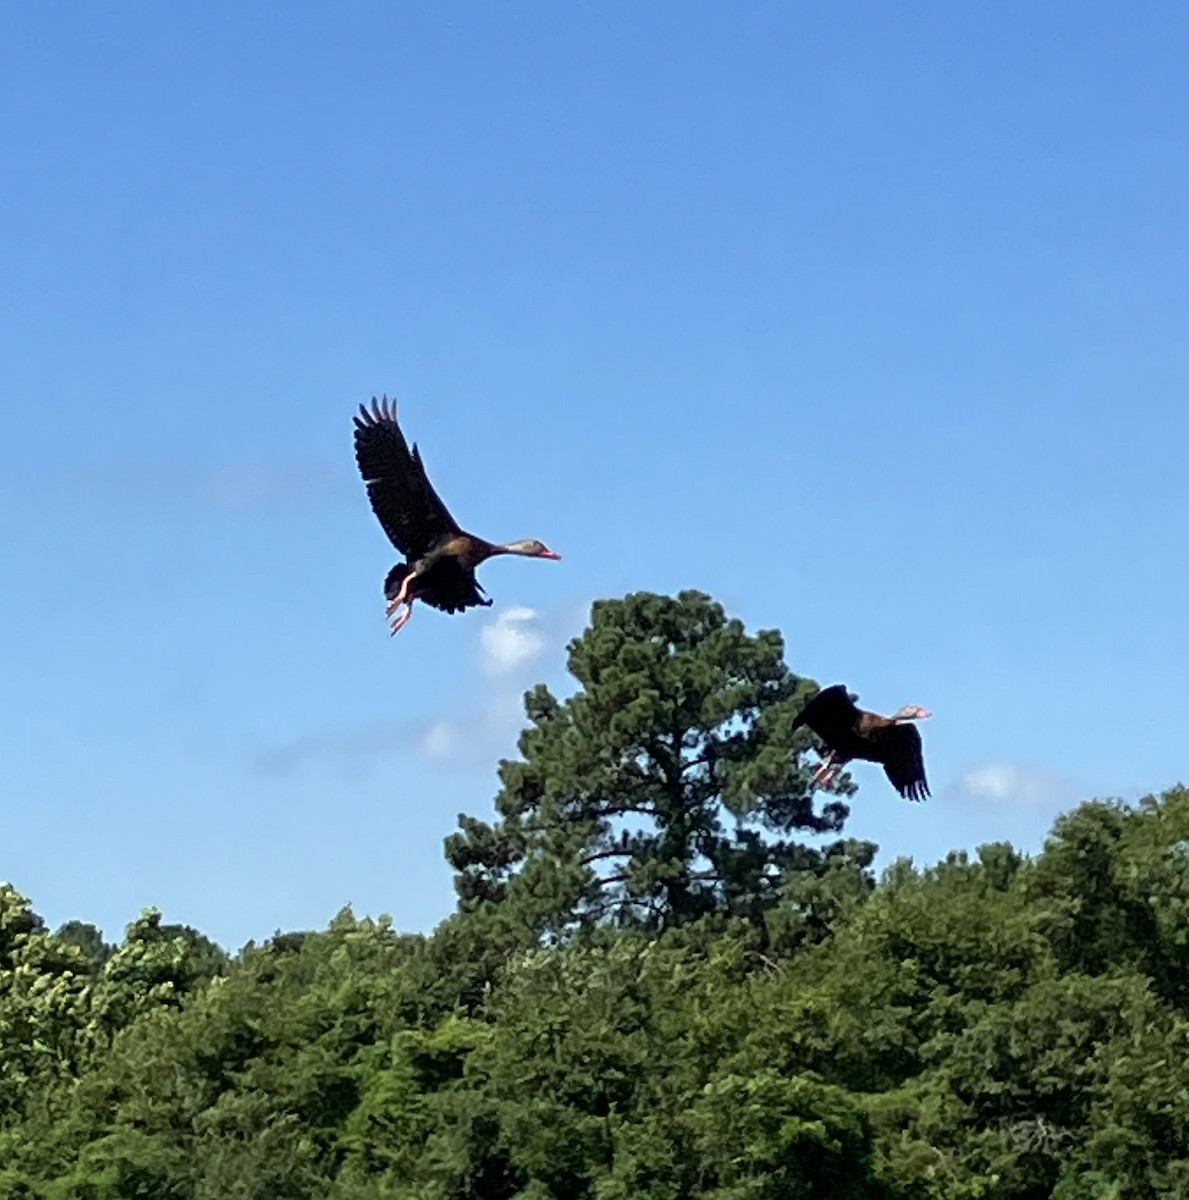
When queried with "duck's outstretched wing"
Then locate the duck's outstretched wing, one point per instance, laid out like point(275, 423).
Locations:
point(411, 512)
point(897, 748)
point(831, 714)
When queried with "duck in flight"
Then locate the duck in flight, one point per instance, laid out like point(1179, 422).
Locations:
point(850, 732)
point(440, 557)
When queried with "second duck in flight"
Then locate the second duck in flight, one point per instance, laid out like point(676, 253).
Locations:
point(851, 732)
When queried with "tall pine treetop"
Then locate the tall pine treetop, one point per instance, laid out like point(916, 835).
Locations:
point(664, 789)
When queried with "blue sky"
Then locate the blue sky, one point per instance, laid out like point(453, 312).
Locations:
point(868, 320)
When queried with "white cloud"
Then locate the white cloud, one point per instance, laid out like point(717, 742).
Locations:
point(1009, 783)
point(512, 646)
point(439, 739)
point(513, 639)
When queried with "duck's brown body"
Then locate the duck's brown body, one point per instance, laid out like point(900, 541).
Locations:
point(440, 557)
point(468, 549)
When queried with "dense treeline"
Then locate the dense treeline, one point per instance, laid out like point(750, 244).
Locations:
point(650, 990)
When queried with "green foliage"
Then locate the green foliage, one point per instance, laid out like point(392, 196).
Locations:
point(44, 1002)
point(664, 790)
point(728, 1015)
point(1116, 883)
point(88, 939)
point(770, 1136)
point(992, 1028)
point(155, 965)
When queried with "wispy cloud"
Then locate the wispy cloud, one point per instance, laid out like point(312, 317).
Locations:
point(439, 739)
point(1008, 783)
point(474, 739)
point(517, 647)
point(352, 748)
point(478, 738)
point(513, 639)
point(222, 487)
point(235, 486)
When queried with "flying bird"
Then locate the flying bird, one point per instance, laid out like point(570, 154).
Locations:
point(850, 732)
point(440, 557)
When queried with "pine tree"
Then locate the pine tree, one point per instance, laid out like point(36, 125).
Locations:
point(666, 788)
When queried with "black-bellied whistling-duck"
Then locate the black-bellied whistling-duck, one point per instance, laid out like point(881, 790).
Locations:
point(850, 732)
point(440, 557)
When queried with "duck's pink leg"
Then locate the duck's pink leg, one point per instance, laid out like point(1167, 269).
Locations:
point(406, 595)
point(401, 596)
point(401, 619)
point(826, 772)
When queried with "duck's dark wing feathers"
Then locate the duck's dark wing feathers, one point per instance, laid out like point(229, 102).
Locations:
point(831, 714)
point(898, 749)
point(411, 512)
